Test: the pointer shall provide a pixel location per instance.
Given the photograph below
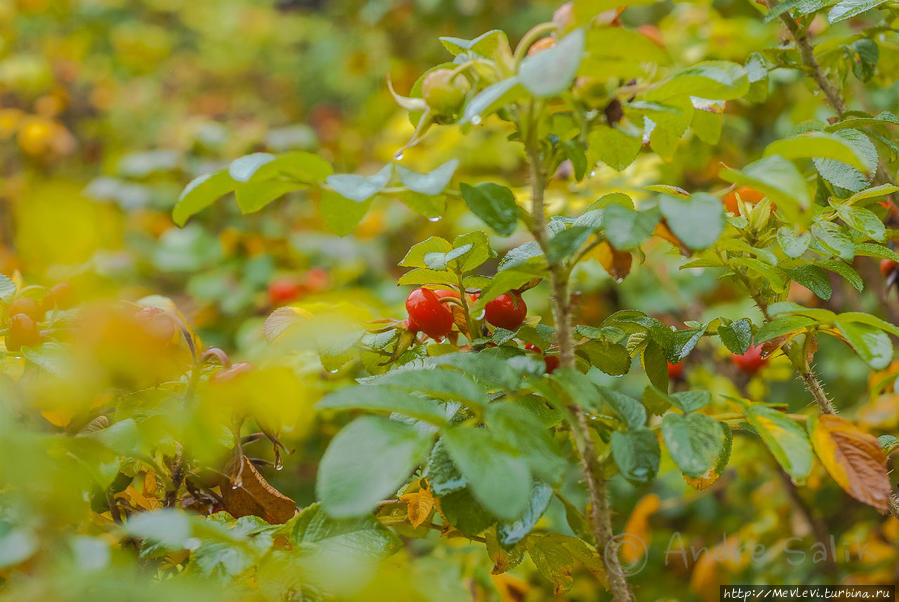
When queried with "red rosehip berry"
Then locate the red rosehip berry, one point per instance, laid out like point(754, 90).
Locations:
point(284, 290)
point(428, 314)
point(751, 361)
point(887, 267)
point(317, 280)
point(675, 370)
point(506, 311)
point(552, 362)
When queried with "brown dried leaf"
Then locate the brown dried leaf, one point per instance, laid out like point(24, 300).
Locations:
point(253, 495)
point(853, 458)
point(616, 263)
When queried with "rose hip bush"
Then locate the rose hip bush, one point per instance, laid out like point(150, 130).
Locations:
point(599, 353)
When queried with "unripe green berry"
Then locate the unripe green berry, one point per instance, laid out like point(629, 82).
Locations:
point(443, 93)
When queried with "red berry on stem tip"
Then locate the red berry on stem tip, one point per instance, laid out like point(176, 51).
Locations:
point(428, 314)
point(506, 311)
point(887, 267)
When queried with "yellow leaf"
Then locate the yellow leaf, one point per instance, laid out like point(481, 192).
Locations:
point(853, 458)
point(637, 528)
point(418, 506)
point(616, 263)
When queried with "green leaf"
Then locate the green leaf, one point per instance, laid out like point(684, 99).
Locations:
point(341, 214)
point(433, 182)
point(625, 228)
point(857, 316)
point(637, 454)
point(479, 250)
point(773, 275)
point(736, 336)
point(443, 476)
point(497, 479)
point(850, 8)
point(870, 193)
point(813, 278)
point(415, 256)
point(690, 401)
point(365, 462)
point(614, 146)
point(201, 192)
point(617, 52)
point(864, 55)
point(522, 430)
point(441, 261)
point(487, 44)
point(611, 358)
point(487, 367)
point(360, 188)
point(585, 10)
point(567, 242)
point(510, 533)
point(863, 220)
point(448, 385)
point(297, 166)
point(465, 513)
point(243, 168)
point(425, 276)
point(834, 238)
point(384, 399)
point(575, 152)
point(714, 80)
point(629, 409)
point(707, 124)
point(655, 365)
point(694, 441)
point(794, 244)
point(882, 119)
point(888, 443)
point(870, 343)
point(490, 99)
point(557, 557)
point(843, 175)
point(697, 221)
point(778, 179)
point(253, 196)
point(846, 271)
point(364, 535)
point(868, 249)
point(817, 145)
point(579, 389)
point(786, 439)
point(494, 204)
point(782, 325)
point(7, 287)
point(168, 527)
point(551, 72)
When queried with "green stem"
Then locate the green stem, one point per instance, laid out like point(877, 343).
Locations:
point(600, 511)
